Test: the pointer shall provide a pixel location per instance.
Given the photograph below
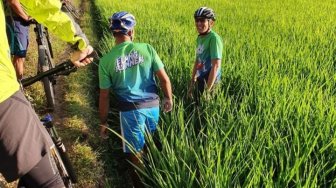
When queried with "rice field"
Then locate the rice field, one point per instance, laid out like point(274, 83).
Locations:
point(272, 121)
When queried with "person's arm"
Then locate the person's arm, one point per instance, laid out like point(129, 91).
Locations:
point(166, 88)
point(216, 63)
point(193, 75)
point(17, 8)
point(104, 104)
point(48, 13)
point(192, 80)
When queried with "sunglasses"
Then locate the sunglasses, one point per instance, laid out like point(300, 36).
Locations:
point(202, 20)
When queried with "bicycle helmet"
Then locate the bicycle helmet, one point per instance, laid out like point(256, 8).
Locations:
point(121, 22)
point(205, 12)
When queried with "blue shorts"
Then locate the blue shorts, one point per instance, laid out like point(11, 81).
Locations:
point(18, 36)
point(135, 124)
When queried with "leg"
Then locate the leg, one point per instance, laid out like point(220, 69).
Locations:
point(132, 129)
point(134, 125)
point(18, 64)
point(44, 175)
point(21, 42)
point(134, 159)
point(200, 85)
point(23, 141)
point(152, 119)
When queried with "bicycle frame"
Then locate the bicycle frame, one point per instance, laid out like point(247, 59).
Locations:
point(41, 32)
point(61, 153)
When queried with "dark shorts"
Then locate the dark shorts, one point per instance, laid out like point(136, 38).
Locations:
point(23, 139)
point(200, 86)
point(18, 36)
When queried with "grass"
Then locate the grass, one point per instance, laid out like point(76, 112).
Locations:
point(271, 123)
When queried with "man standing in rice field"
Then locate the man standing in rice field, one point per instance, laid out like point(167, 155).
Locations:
point(129, 69)
point(207, 67)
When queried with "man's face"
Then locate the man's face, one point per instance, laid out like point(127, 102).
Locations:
point(203, 25)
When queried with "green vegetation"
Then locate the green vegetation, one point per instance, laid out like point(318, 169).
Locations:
point(272, 123)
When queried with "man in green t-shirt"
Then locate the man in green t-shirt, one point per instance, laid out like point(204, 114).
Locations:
point(207, 67)
point(129, 69)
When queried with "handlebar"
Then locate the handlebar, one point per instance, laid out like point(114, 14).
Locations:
point(64, 68)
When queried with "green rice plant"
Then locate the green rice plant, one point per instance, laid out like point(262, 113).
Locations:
point(271, 122)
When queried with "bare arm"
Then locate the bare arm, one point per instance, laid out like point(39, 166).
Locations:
point(166, 88)
point(216, 63)
point(193, 80)
point(164, 83)
point(104, 104)
point(17, 8)
point(193, 75)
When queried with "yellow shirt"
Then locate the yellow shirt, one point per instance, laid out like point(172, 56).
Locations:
point(48, 13)
point(8, 82)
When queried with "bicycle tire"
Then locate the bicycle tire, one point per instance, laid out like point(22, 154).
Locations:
point(44, 65)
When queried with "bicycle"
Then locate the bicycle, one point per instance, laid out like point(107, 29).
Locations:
point(58, 151)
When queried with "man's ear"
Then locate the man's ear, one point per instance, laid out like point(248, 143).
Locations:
point(211, 23)
point(130, 32)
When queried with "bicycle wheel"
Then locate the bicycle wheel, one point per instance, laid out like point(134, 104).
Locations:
point(45, 63)
point(63, 171)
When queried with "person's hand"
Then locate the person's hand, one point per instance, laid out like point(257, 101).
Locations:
point(32, 21)
point(103, 131)
point(80, 57)
point(28, 21)
point(167, 104)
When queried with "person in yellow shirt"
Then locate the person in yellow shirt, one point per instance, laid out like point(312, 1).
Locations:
point(24, 143)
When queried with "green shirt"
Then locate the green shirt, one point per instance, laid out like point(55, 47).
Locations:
point(129, 70)
point(209, 47)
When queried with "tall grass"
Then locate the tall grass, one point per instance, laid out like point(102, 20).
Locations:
point(272, 123)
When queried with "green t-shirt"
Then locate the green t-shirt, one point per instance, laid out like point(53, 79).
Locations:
point(209, 47)
point(129, 70)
